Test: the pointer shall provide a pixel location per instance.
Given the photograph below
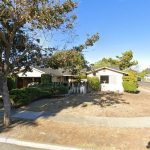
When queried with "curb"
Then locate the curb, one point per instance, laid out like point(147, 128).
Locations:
point(34, 145)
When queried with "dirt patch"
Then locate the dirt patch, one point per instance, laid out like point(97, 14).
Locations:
point(83, 136)
point(97, 104)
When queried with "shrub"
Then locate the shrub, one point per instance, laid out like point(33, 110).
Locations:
point(46, 79)
point(19, 97)
point(55, 90)
point(61, 89)
point(11, 82)
point(130, 83)
point(94, 83)
point(24, 96)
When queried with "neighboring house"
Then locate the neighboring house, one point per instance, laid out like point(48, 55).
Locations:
point(147, 77)
point(110, 79)
point(58, 75)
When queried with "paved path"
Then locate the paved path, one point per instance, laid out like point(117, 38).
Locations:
point(4, 146)
point(7, 143)
point(137, 122)
point(118, 122)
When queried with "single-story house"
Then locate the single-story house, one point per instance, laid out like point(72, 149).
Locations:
point(110, 79)
point(58, 76)
point(147, 77)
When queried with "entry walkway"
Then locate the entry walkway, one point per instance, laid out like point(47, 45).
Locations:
point(112, 122)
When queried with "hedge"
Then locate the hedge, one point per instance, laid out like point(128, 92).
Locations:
point(11, 83)
point(130, 83)
point(46, 79)
point(24, 96)
point(94, 83)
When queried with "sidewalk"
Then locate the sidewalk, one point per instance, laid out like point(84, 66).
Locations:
point(32, 145)
point(112, 122)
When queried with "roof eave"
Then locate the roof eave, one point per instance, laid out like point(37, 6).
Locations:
point(108, 69)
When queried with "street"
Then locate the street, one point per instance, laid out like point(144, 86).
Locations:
point(144, 84)
point(15, 147)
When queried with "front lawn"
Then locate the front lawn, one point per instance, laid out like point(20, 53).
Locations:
point(88, 137)
point(97, 104)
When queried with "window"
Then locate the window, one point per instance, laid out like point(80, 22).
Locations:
point(104, 79)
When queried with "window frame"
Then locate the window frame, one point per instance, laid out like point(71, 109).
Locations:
point(107, 80)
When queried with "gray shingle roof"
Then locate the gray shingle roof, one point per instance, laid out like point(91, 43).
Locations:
point(109, 68)
point(55, 72)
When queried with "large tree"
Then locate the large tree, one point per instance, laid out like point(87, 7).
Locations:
point(125, 61)
point(106, 62)
point(72, 59)
point(20, 20)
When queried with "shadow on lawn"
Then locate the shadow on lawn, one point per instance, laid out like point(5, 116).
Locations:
point(16, 122)
point(51, 107)
point(109, 99)
point(56, 105)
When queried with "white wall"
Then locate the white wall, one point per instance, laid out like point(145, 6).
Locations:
point(147, 78)
point(31, 74)
point(115, 80)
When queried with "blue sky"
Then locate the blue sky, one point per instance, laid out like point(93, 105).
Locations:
point(122, 24)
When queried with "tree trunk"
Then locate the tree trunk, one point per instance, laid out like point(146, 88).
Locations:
point(7, 105)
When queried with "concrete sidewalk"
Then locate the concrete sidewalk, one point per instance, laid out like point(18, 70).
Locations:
point(33, 145)
point(115, 122)
point(112, 122)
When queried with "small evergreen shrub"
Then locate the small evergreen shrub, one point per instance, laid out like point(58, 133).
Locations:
point(94, 83)
point(24, 96)
point(19, 97)
point(46, 79)
point(130, 83)
point(11, 83)
point(61, 89)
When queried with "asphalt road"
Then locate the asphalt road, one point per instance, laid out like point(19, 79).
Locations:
point(145, 84)
point(15, 147)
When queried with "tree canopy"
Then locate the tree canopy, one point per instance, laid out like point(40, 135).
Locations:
point(144, 72)
point(20, 20)
point(124, 61)
point(72, 59)
point(106, 62)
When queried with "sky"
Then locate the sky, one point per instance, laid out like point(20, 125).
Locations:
point(122, 25)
